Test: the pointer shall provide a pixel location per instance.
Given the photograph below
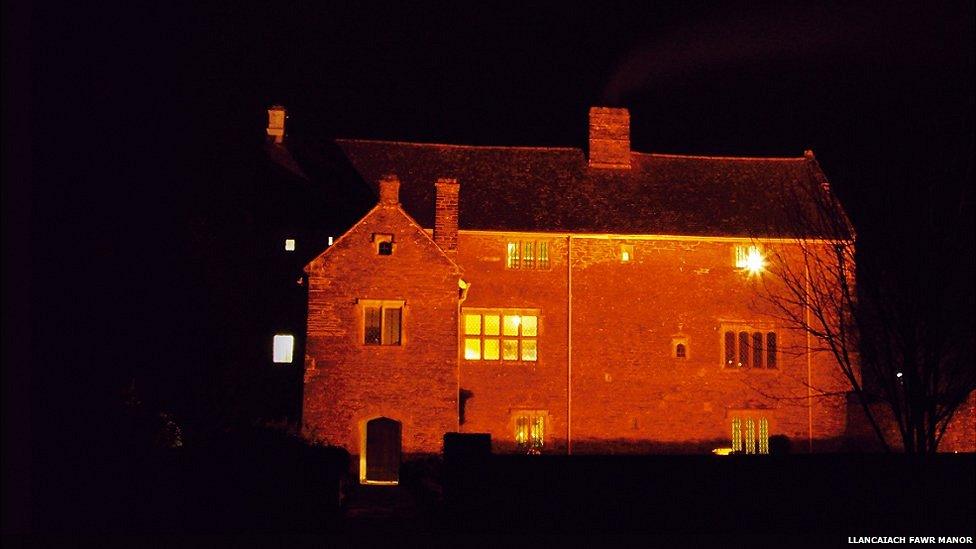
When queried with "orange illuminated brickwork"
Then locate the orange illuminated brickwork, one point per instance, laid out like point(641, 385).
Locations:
point(382, 334)
point(601, 304)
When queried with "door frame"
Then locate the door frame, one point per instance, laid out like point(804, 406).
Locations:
point(363, 431)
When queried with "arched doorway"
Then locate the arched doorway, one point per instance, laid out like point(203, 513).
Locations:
point(381, 461)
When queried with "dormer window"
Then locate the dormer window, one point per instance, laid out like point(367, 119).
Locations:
point(384, 243)
point(626, 253)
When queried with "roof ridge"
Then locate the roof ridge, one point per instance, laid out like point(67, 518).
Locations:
point(456, 146)
point(710, 157)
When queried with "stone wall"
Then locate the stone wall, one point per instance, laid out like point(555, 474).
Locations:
point(347, 382)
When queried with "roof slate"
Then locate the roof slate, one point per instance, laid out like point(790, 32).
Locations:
point(553, 189)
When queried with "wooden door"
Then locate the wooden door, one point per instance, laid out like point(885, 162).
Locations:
point(382, 450)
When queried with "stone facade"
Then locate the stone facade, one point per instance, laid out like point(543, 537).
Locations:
point(606, 378)
point(629, 392)
point(633, 330)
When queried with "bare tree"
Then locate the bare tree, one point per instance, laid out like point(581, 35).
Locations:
point(896, 319)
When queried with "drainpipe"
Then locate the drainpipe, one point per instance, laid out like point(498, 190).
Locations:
point(463, 288)
point(806, 314)
point(569, 344)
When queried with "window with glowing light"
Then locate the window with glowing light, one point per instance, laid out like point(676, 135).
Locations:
point(746, 347)
point(750, 434)
point(527, 255)
point(289, 244)
point(530, 430)
point(500, 335)
point(283, 348)
point(626, 253)
point(382, 322)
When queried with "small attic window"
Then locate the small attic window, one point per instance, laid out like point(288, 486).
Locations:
point(626, 253)
point(384, 244)
point(289, 244)
point(679, 347)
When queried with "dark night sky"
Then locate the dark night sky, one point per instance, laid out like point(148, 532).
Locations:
point(883, 94)
point(143, 118)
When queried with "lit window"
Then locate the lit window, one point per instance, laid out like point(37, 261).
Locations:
point(382, 322)
point(511, 325)
point(750, 435)
point(384, 244)
point(746, 348)
point(512, 260)
point(501, 335)
point(527, 255)
point(284, 348)
point(472, 348)
point(511, 349)
point(530, 430)
point(492, 324)
point(491, 349)
point(750, 259)
point(289, 244)
point(626, 253)
point(472, 324)
point(330, 241)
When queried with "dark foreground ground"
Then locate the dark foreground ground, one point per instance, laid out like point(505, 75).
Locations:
point(278, 486)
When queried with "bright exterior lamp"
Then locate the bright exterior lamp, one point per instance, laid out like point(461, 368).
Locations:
point(750, 259)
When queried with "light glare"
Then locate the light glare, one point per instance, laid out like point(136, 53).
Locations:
point(752, 260)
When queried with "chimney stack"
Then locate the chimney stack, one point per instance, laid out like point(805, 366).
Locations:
point(276, 124)
point(609, 138)
point(446, 215)
point(390, 190)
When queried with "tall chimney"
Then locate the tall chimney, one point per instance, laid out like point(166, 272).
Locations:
point(609, 138)
point(390, 190)
point(276, 124)
point(446, 214)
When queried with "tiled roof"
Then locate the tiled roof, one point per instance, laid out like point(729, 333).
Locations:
point(553, 190)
